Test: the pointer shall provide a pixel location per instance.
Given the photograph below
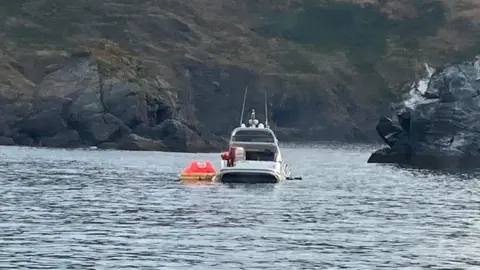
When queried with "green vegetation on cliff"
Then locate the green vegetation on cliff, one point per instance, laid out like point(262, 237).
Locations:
point(329, 66)
point(360, 31)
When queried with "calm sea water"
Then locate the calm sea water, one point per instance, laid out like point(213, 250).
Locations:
point(87, 209)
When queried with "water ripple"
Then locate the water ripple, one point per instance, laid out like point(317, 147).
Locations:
point(123, 210)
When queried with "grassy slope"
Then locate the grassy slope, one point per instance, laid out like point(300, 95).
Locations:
point(336, 58)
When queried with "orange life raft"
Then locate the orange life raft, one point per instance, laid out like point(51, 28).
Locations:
point(198, 170)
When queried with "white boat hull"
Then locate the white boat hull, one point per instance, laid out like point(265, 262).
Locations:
point(251, 172)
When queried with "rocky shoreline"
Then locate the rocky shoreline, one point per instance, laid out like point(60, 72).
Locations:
point(439, 125)
point(82, 105)
point(110, 73)
point(102, 96)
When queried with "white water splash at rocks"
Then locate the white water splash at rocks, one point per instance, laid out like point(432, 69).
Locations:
point(418, 89)
point(438, 124)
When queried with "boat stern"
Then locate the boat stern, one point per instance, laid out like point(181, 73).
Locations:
point(248, 178)
point(250, 174)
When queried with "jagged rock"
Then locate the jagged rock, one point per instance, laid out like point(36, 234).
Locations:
point(43, 124)
point(156, 132)
point(59, 105)
point(146, 131)
point(15, 113)
point(67, 139)
point(80, 104)
point(400, 152)
point(388, 131)
point(404, 119)
point(138, 143)
point(100, 128)
point(386, 155)
point(108, 145)
point(4, 127)
point(441, 129)
point(79, 81)
point(134, 106)
point(42, 118)
point(6, 141)
point(24, 140)
point(127, 102)
point(11, 117)
point(177, 136)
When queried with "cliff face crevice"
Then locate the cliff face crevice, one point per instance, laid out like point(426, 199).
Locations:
point(117, 72)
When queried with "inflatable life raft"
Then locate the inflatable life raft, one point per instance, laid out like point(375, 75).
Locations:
point(198, 170)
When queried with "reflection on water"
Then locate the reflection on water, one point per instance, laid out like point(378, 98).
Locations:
point(195, 182)
point(127, 210)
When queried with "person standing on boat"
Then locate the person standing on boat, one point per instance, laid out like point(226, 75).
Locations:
point(231, 157)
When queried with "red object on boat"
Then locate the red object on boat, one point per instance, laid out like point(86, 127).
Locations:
point(196, 167)
point(231, 156)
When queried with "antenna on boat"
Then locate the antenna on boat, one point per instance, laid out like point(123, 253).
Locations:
point(266, 110)
point(243, 106)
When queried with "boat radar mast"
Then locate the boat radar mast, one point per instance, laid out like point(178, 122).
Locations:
point(253, 122)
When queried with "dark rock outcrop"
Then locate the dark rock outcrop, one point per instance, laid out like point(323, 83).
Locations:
point(439, 125)
point(66, 139)
point(137, 143)
point(6, 141)
point(87, 104)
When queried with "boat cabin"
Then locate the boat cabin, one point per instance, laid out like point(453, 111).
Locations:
point(255, 135)
point(260, 144)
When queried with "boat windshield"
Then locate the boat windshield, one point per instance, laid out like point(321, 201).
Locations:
point(253, 135)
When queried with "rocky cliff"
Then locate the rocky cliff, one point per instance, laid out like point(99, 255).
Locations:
point(170, 75)
point(439, 125)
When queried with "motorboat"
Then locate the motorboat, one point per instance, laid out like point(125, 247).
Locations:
point(254, 156)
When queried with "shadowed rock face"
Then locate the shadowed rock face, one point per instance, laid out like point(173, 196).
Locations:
point(78, 105)
point(439, 126)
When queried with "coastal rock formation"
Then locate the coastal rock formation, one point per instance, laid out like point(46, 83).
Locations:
point(439, 125)
point(89, 103)
point(171, 74)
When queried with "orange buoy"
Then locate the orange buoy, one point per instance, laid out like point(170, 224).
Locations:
point(198, 170)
